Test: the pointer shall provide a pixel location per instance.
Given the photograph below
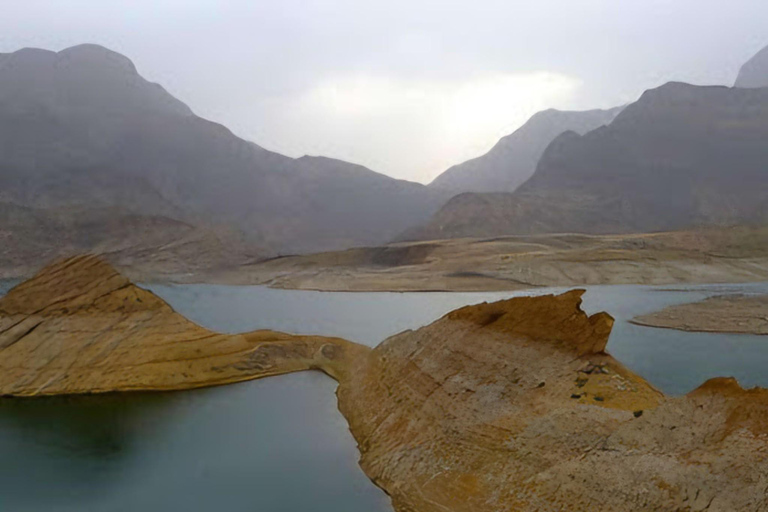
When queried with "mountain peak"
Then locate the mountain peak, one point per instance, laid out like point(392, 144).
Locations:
point(78, 58)
point(96, 55)
point(83, 75)
point(754, 73)
point(514, 157)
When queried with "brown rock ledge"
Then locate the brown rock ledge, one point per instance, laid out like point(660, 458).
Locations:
point(510, 406)
point(80, 327)
point(515, 406)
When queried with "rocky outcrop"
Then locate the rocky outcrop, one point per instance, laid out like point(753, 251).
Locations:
point(80, 327)
point(513, 405)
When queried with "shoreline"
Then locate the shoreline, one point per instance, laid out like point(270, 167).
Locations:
point(724, 314)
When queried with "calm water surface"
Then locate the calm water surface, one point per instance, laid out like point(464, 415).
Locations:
point(674, 361)
point(279, 444)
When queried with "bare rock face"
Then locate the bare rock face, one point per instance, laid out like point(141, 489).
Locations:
point(516, 406)
point(80, 327)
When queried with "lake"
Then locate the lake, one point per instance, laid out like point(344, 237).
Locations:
point(279, 444)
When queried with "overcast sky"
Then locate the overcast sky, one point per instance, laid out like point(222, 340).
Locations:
point(405, 87)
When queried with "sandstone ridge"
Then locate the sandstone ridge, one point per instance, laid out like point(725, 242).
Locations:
point(516, 406)
point(78, 326)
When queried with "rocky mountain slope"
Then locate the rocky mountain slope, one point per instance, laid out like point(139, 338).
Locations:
point(681, 156)
point(144, 246)
point(82, 129)
point(506, 406)
point(754, 73)
point(514, 158)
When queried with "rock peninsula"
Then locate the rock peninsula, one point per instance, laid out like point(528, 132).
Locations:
point(79, 326)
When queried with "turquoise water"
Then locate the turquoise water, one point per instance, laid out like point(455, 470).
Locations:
point(279, 444)
point(674, 361)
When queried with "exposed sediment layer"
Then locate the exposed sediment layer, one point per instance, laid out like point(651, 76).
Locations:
point(738, 314)
point(716, 255)
point(513, 405)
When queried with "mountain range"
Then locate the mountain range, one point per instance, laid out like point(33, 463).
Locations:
point(95, 157)
point(514, 158)
point(681, 156)
point(81, 129)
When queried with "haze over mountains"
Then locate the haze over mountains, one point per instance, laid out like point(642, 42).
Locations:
point(81, 130)
point(754, 73)
point(94, 157)
point(681, 156)
point(514, 158)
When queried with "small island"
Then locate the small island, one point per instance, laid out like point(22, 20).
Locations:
point(737, 314)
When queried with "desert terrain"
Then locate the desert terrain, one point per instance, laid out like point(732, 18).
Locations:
point(738, 314)
point(714, 255)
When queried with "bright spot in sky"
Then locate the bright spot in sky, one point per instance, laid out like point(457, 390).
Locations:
point(412, 129)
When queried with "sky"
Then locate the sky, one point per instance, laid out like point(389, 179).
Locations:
point(405, 87)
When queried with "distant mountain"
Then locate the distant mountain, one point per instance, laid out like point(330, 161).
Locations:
point(514, 158)
point(755, 72)
point(144, 245)
point(81, 129)
point(681, 156)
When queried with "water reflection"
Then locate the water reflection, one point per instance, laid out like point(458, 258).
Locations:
point(277, 444)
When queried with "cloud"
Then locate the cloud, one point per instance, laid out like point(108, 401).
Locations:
point(413, 128)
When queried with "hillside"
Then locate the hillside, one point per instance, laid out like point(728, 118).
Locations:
point(514, 158)
point(681, 156)
point(712, 255)
point(754, 73)
point(82, 129)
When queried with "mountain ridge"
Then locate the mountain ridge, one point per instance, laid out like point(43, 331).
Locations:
point(754, 73)
point(81, 128)
point(513, 159)
point(659, 166)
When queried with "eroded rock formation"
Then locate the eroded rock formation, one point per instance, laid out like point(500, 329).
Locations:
point(510, 406)
point(516, 406)
point(80, 327)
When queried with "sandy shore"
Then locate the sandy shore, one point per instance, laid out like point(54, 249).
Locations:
point(740, 314)
point(513, 263)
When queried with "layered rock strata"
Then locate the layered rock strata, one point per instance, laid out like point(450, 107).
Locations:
point(80, 327)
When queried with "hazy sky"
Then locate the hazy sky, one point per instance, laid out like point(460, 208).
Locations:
point(405, 87)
